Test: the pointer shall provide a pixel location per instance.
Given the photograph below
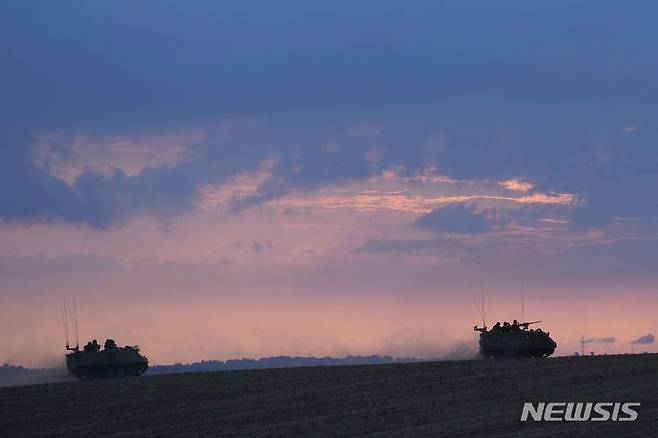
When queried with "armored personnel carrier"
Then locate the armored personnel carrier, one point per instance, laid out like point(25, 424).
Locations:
point(111, 361)
point(515, 340)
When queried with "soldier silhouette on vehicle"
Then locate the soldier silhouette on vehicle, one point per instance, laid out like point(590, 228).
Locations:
point(110, 344)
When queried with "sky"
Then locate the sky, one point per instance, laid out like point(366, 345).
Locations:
point(226, 179)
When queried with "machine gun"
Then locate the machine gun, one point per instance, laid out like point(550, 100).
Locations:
point(526, 324)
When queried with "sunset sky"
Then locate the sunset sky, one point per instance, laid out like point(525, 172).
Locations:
point(226, 179)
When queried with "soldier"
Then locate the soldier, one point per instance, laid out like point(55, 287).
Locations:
point(496, 327)
point(515, 325)
point(506, 326)
point(109, 344)
point(95, 347)
point(88, 347)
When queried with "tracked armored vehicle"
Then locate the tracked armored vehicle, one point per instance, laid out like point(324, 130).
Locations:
point(112, 361)
point(515, 340)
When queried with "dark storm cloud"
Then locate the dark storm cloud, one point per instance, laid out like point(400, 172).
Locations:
point(154, 59)
point(29, 192)
point(560, 94)
point(644, 340)
point(100, 199)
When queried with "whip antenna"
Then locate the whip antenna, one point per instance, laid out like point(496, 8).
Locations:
point(484, 322)
point(65, 320)
point(75, 312)
point(522, 302)
point(478, 307)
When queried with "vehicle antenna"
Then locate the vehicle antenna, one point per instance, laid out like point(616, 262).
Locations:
point(484, 322)
point(582, 346)
point(75, 312)
point(65, 320)
point(522, 302)
point(478, 307)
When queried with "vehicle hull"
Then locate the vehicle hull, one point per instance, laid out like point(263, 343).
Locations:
point(519, 343)
point(118, 362)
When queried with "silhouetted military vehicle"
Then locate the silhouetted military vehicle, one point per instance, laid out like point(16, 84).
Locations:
point(112, 361)
point(515, 340)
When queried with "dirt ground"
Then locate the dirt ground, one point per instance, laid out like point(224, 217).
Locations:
point(481, 398)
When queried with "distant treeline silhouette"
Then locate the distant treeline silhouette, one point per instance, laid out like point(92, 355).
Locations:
point(272, 362)
point(18, 375)
point(11, 375)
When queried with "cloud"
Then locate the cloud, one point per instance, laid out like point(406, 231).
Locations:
point(323, 64)
point(551, 255)
point(456, 218)
point(68, 156)
point(68, 264)
point(383, 246)
point(605, 340)
point(103, 197)
point(644, 340)
point(323, 113)
point(517, 185)
point(420, 193)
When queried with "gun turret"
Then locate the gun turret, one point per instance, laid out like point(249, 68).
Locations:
point(480, 329)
